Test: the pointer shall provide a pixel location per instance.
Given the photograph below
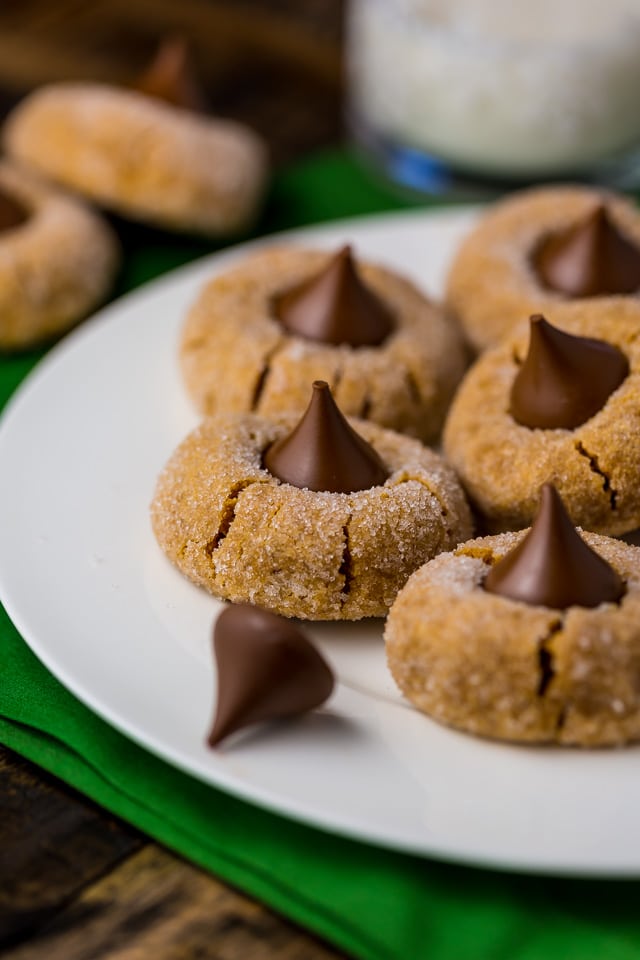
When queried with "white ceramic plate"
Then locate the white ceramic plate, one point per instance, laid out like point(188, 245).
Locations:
point(80, 574)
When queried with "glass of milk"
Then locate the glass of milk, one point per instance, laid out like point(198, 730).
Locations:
point(496, 92)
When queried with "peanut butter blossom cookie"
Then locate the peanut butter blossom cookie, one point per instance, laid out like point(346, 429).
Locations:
point(543, 250)
point(320, 518)
point(260, 333)
point(530, 636)
point(562, 407)
point(144, 153)
point(57, 260)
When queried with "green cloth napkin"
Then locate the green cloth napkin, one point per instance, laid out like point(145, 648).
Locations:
point(372, 903)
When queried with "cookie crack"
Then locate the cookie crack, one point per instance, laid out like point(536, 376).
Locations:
point(228, 515)
point(545, 657)
point(365, 409)
point(595, 467)
point(261, 380)
point(485, 554)
point(346, 564)
point(413, 388)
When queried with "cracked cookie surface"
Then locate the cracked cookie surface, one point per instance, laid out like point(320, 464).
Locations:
point(492, 285)
point(235, 355)
point(500, 668)
point(237, 531)
point(594, 466)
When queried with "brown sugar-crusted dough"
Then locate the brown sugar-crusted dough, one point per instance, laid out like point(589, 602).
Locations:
point(500, 668)
point(55, 267)
point(595, 467)
point(237, 356)
point(233, 528)
point(492, 286)
point(141, 157)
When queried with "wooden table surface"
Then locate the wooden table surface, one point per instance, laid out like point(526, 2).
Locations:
point(75, 883)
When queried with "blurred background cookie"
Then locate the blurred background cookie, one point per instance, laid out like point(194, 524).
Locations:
point(141, 156)
point(58, 259)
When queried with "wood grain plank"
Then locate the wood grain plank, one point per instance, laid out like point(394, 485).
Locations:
point(156, 907)
point(53, 843)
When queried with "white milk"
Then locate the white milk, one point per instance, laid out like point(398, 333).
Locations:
point(516, 87)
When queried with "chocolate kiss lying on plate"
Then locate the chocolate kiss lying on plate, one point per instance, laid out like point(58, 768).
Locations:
point(590, 259)
point(564, 380)
point(267, 670)
point(553, 566)
point(335, 307)
point(324, 452)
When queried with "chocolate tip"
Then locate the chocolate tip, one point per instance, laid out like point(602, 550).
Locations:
point(552, 565)
point(564, 379)
point(591, 258)
point(335, 306)
point(323, 452)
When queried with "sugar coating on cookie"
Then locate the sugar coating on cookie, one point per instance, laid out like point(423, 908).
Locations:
point(233, 528)
point(141, 157)
point(500, 668)
point(235, 355)
point(594, 466)
point(493, 285)
point(55, 266)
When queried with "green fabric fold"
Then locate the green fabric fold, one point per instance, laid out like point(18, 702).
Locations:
point(373, 903)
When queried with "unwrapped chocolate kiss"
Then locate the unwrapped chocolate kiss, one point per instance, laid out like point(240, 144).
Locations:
point(335, 306)
point(324, 452)
point(552, 566)
point(267, 670)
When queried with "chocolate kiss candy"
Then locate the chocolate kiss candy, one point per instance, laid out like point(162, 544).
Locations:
point(335, 307)
point(266, 669)
point(590, 259)
point(553, 566)
point(564, 379)
point(172, 78)
point(12, 213)
point(323, 452)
